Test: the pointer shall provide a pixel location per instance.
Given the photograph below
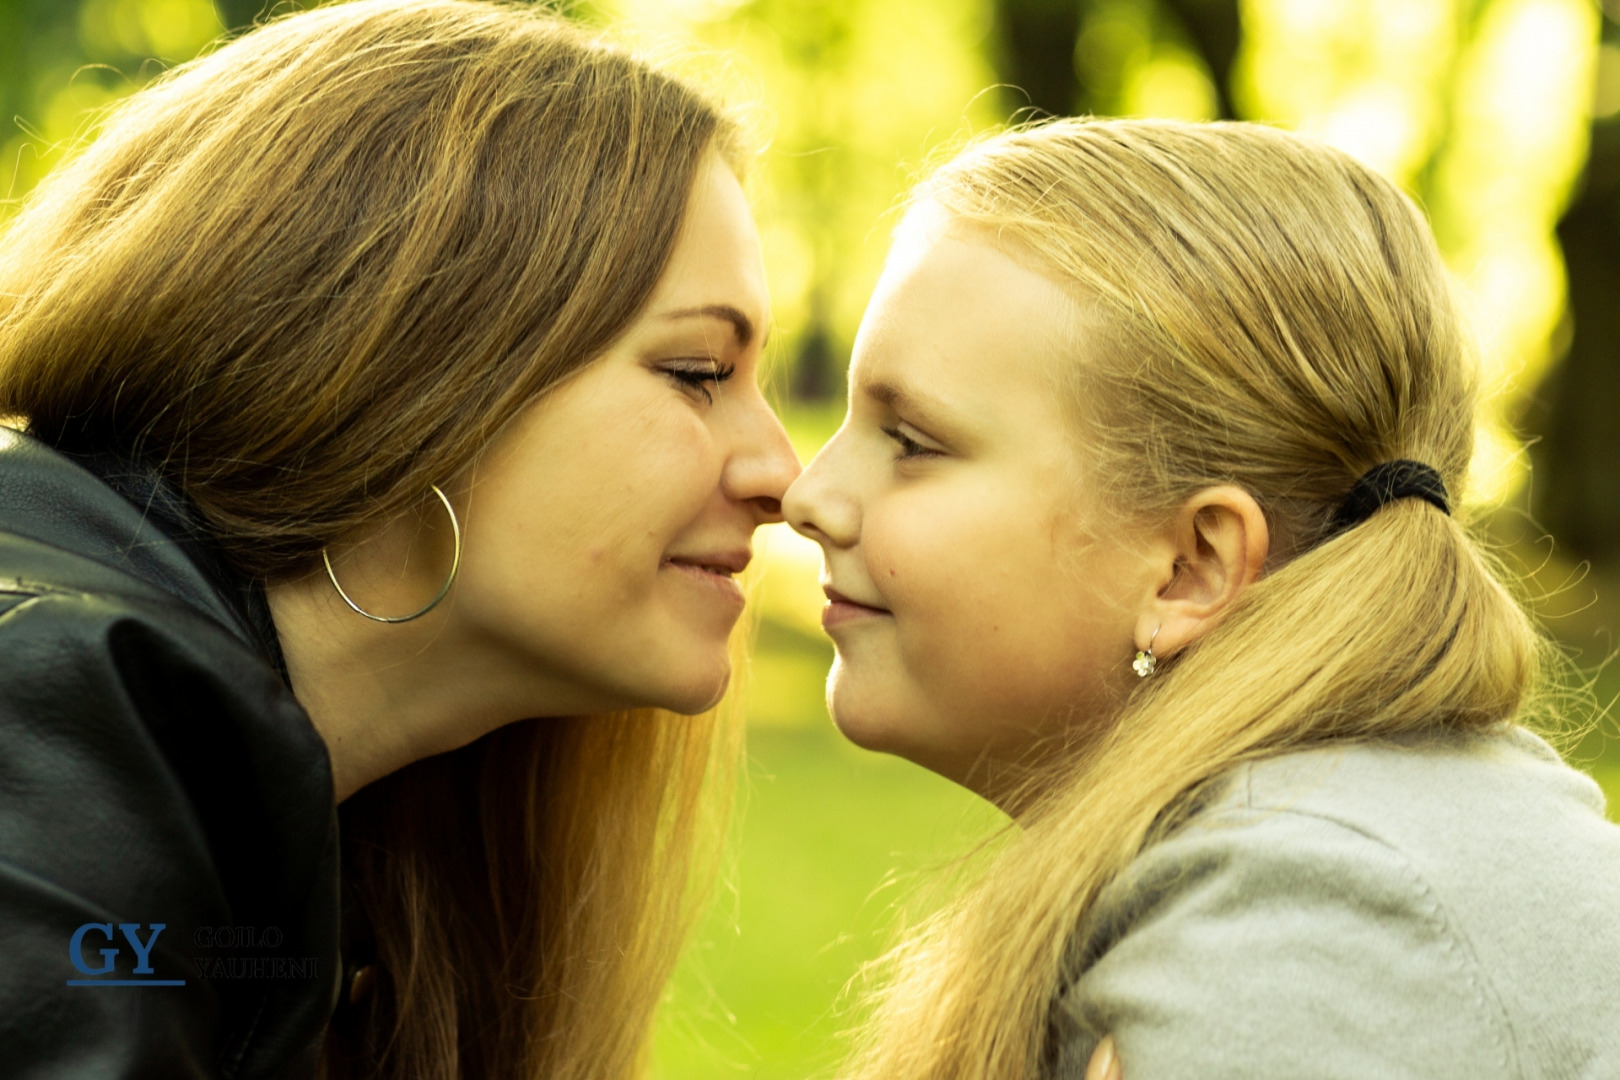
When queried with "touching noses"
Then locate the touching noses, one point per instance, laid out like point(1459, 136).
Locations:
point(762, 463)
point(817, 508)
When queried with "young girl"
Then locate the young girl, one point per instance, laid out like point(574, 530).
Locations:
point(1144, 524)
point(392, 440)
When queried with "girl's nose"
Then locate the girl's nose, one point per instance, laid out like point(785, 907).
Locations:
point(818, 506)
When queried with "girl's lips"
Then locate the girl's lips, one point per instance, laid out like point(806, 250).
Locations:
point(841, 609)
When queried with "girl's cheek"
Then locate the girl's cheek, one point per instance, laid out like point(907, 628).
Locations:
point(902, 535)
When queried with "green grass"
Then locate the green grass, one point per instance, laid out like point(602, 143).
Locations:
point(831, 839)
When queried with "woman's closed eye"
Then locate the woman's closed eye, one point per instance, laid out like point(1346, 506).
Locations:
point(698, 374)
point(907, 448)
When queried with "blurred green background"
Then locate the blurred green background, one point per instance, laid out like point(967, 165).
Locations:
point(1501, 116)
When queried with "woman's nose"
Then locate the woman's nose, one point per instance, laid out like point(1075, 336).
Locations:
point(763, 463)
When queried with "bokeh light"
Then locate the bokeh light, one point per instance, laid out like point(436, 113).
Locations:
point(1481, 109)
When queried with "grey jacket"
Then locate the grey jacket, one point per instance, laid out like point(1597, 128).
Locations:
point(1366, 911)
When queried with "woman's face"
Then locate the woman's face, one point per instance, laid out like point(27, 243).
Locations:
point(605, 527)
point(974, 607)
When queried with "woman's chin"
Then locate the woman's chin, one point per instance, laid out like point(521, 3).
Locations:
point(691, 697)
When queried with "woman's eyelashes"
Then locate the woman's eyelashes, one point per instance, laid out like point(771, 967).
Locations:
point(907, 448)
point(696, 375)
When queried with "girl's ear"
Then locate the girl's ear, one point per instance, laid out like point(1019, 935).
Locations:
point(1216, 548)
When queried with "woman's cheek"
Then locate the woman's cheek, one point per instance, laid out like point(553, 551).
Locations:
point(661, 481)
point(688, 461)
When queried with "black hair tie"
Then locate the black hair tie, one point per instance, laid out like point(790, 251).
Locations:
point(1399, 479)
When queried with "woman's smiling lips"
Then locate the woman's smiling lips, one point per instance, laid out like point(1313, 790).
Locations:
point(714, 571)
point(841, 609)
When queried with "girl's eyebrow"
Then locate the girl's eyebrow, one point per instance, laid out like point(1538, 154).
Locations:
point(931, 412)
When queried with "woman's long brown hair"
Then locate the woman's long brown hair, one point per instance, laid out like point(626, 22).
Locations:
point(305, 277)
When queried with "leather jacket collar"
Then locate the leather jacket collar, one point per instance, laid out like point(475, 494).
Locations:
point(152, 532)
point(155, 770)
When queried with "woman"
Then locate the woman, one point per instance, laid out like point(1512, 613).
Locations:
point(1144, 525)
point(393, 440)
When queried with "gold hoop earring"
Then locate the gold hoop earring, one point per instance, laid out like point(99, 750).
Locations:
point(455, 566)
point(1145, 661)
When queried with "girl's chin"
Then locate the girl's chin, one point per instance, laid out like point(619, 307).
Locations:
point(863, 722)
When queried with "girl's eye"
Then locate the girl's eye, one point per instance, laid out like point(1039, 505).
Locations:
point(696, 376)
point(907, 447)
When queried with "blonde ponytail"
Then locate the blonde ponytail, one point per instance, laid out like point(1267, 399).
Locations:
point(1278, 318)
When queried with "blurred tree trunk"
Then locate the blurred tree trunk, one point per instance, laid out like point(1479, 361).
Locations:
point(1576, 414)
point(1574, 417)
point(1037, 51)
point(34, 34)
point(1215, 30)
point(238, 15)
point(1038, 40)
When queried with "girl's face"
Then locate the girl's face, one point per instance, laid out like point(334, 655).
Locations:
point(605, 527)
point(974, 606)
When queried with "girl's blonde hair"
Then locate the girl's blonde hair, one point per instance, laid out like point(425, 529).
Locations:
point(304, 278)
point(1273, 315)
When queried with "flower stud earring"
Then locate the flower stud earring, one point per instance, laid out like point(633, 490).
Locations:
point(1145, 661)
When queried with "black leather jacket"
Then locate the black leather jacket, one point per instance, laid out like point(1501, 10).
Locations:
point(155, 771)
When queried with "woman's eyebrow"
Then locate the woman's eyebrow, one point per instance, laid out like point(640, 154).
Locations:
point(741, 324)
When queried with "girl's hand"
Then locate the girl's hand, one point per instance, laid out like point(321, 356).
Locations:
point(1105, 1062)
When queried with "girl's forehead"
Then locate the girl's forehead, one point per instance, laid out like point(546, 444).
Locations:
point(953, 306)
